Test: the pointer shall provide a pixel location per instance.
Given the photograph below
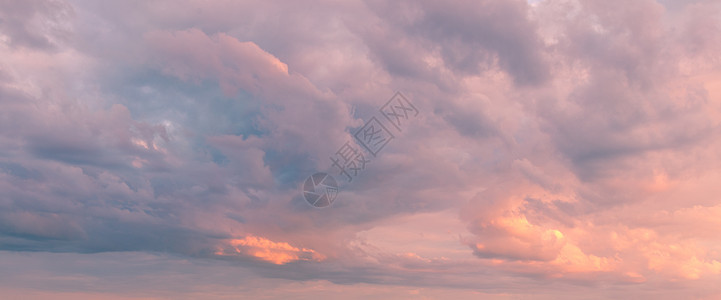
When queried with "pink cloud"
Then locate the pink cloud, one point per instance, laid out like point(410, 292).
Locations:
point(563, 148)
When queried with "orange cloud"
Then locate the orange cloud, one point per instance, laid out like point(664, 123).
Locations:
point(278, 253)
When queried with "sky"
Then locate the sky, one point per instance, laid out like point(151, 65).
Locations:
point(546, 149)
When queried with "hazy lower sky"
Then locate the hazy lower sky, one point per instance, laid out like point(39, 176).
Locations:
point(550, 149)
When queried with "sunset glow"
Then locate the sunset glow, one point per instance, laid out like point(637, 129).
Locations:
point(267, 250)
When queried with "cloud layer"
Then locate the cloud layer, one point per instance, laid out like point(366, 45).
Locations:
point(563, 148)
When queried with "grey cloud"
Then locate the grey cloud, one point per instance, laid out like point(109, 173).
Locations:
point(471, 36)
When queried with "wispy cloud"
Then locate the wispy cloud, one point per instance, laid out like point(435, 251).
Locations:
point(278, 253)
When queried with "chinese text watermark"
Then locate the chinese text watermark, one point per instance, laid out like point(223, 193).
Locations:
point(321, 189)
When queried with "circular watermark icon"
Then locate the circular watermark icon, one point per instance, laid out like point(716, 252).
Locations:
point(320, 189)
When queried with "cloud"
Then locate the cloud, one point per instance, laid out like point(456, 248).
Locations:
point(562, 148)
point(38, 24)
point(278, 253)
point(465, 34)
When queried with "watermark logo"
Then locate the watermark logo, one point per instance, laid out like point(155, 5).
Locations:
point(321, 189)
